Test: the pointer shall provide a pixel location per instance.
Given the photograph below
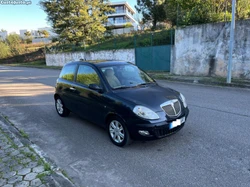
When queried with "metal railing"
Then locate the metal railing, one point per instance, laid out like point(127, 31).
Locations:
point(125, 41)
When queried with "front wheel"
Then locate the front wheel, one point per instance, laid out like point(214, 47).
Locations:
point(60, 108)
point(118, 132)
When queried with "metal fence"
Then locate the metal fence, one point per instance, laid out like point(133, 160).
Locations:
point(124, 41)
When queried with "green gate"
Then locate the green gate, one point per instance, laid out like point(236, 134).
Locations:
point(153, 58)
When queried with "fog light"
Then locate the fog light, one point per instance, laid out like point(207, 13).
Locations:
point(143, 133)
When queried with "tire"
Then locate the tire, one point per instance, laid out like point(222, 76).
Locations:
point(60, 107)
point(118, 132)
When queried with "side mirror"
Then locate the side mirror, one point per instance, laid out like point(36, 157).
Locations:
point(96, 87)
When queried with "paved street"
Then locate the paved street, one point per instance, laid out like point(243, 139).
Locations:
point(213, 149)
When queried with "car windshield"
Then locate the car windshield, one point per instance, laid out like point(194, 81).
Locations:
point(125, 76)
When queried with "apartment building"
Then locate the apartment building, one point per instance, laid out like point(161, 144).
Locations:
point(3, 35)
point(123, 15)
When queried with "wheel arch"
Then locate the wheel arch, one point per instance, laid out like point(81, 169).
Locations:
point(112, 115)
point(56, 96)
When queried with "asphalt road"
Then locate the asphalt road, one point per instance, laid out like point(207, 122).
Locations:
point(213, 149)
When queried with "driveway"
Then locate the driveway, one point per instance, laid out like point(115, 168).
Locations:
point(213, 149)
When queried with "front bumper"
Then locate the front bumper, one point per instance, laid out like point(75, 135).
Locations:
point(156, 130)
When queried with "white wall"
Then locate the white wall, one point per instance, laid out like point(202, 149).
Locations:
point(59, 59)
point(199, 50)
point(202, 50)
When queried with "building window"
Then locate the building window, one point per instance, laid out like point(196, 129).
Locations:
point(119, 9)
point(111, 20)
point(120, 20)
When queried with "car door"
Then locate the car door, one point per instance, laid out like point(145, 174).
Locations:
point(65, 85)
point(91, 104)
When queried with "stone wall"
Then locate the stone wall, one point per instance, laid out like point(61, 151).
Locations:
point(59, 59)
point(203, 50)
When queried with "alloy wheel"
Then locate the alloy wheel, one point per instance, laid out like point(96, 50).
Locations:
point(116, 131)
point(59, 106)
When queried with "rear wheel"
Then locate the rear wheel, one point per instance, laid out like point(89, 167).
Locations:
point(118, 132)
point(60, 107)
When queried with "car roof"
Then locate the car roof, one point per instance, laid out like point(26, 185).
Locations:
point(100, 63)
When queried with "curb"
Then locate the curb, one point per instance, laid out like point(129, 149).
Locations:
point(205, 82)
point(56, 178)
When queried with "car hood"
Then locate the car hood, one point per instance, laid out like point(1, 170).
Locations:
point(151, 96)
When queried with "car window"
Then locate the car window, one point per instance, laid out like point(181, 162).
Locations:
point(125, 76)
point(68, 72)
point(86, 75)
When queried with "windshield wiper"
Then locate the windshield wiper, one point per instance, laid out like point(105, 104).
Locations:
point(144, 84)
point(121, 87)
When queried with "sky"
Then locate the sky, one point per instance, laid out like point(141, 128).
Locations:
point(31, 17)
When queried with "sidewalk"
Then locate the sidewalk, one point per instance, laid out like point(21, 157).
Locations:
point(242, 83)
point(20, 165)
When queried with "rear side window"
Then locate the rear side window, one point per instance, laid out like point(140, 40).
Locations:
point(68, 72)
point(86, 75)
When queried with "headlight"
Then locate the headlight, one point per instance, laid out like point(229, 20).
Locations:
point(183, 100)
point(145, 112)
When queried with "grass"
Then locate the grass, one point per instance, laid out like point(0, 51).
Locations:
point(41, 177)
point(31, 155)
point(40, 161)
point(9, 140)
point(65, 174)
point(125, 41)
point(24, 134)
point(6, 117)
point(47, 167)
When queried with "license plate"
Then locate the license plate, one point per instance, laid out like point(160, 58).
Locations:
point(176, 123)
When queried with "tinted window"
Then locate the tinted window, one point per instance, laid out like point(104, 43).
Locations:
point(127, 76)
point(68, 72)
point(87, 75)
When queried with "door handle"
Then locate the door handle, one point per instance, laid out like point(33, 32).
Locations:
point(72, 88)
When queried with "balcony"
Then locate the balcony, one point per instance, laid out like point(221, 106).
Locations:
point(117, 22)
point(121, 11)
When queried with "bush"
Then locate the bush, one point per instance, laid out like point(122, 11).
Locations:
point(14, 42)
point(28, 40)
point(4, 50)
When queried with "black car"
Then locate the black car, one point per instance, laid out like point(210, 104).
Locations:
point(122, 98)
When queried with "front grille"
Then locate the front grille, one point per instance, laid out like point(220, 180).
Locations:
point(169, 110)
point(165, 131)
point(172, 108)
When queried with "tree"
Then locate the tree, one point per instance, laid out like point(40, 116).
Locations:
point(39, 33)
point(14, 43)
point(27, 34)
point(77, 21)
point(4, 50)
point(189, 12)
point(43, 33)
point(151, 10)
point(242, 9)
point(128, 25)
point(28, 37)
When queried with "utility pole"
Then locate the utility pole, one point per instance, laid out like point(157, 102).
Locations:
point(231, 46)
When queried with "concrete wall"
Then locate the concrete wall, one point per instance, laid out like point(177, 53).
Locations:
point(59, 59)
point(204, 50)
